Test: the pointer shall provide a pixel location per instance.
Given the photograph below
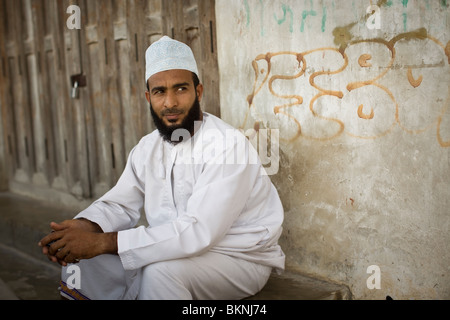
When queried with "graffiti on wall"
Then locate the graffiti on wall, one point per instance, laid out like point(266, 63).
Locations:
point(310, 15)
point(361, 88)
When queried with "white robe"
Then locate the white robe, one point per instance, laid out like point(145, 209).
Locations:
point(204, 194)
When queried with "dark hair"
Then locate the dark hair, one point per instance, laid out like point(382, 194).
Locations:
point(194, 78)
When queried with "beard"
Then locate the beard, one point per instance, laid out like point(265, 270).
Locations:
point(194, 114)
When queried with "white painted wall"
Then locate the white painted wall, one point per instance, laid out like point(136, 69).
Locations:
point(364, 121)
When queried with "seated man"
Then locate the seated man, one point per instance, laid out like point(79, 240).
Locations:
point(214, 218)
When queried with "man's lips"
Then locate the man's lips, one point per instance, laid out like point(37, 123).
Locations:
point(172, 116)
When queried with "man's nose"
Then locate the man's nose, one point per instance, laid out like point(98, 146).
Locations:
point(171, 100)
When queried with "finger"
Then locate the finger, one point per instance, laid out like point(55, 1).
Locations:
point(62, 262)
point(44, 241)
point(53, 236)
point(55, 247)
point(70, 258)
point(57, 226)
point(62, 253)
point(53, 259)
point(44, 250)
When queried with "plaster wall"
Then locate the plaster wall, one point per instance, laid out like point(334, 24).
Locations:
point(362, 111)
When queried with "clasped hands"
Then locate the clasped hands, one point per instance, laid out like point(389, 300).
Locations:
point(73, 240)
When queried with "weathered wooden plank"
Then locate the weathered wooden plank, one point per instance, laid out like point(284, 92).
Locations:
point(58, 94)
point(111, 99)
point(153, 31)
point(7, 164)
point(153, 22)
point(3, 149)
point(191, 30)
point(209, 64)
point(43, 44)
point(118, 70)
point(126, 50)
point(173, 20)
point(71, 65)
point(76, 141)
point(88, 36)
point(95, 73)
point(20, 99)
point(37, 79)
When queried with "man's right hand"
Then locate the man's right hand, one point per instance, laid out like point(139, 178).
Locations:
point(80, 224)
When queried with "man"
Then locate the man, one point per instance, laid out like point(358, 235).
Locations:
point(214, 219)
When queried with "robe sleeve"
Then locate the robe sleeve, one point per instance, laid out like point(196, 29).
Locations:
point(121, 207)
point(219, 196)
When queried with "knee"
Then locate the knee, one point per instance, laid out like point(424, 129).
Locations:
point(154, 271)
point(171, 269)
point(163, 280)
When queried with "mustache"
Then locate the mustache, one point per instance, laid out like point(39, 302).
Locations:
point(171, 111)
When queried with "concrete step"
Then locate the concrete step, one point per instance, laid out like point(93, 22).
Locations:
point(25, 273)
point(6, 293)
point(28, 275)
point(296, 286)
point(27, 278)
point(24, 221)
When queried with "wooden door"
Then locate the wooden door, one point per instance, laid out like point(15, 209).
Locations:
point(78, 145)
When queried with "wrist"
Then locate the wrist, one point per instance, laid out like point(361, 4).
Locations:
point(110, 243)
point(90, 225)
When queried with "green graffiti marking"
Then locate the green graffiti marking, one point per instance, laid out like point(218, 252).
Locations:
point(286, 9)
point(247, 10)
point(305, 14)
point(324, 17)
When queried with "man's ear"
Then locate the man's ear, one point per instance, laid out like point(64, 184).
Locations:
point(199, 90)
point(147, 96)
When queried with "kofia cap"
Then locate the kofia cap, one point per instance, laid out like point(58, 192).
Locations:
point(168, 54)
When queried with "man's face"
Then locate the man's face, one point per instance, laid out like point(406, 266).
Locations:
point(174, 101)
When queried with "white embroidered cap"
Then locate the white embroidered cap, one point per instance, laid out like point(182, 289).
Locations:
point(168, 54)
